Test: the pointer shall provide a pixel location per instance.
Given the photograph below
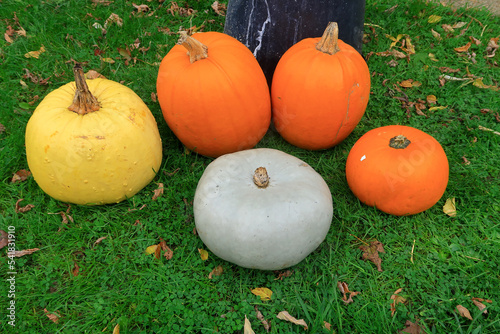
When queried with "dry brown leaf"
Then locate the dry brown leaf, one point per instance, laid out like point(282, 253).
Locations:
point(263, 293)
point(370, 252)
point(4, 239)
point(396, 299)
point(412, 328)
point(2, 127)
point(474, 40)
point(76, 270)
point(431, 99)
point(344, 289)
point(327, 325)
point(217, 271)
point(23, 209)
point(203, 254)
point(284, 315)
point(35, 54)
point(283, 274)
point(465, 161)
point(93, 75)
point(113, 18)
point(464, 312)
point(20, 175)
point(66, 218)
point(464, 48)
point(247, 328)
point(436, 34)
point(263, 321)
point(480, 306)
point(25, 252)
point(449, 207)
point(98, 241)
point(492, 47)
point(141, 8)
point(219, 8)
point(52, 316)
point(158, 192)
point(434, 19)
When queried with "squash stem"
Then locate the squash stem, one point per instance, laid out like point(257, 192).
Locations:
point(260, 177)
point(329, 41)
point(83, 102)
point(196, 49)
point(399, 142)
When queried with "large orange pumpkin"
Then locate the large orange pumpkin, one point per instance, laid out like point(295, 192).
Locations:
point(320, 91)
point(213, 94)
point(398, 169)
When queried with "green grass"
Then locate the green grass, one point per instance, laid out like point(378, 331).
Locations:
point(454, 259)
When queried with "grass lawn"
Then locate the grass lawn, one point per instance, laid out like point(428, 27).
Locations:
point(78, 282)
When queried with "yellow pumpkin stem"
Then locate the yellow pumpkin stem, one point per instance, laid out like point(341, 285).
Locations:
point(399, 142)
point(329, 41)
point(260, 177)
point(196, 49)
point(83, 102)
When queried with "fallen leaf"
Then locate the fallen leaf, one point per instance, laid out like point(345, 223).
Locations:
point(464, 312)
point(436, 34)
point(141, 8)
point(151, 249)
point(93, 75)
point(263, 321)
point(263, 293)
point(459, 25)
point(284, 315)
point(282, 274)
point(113, 18)
point(203, 254)
point(219, 8)
point(168, 254)
point(327, 325)
point(431, 99)
point(465, 161)
point(344, 289)
point(2, 127)
point(76, 270)
point(116, 330)
point(464, 48)
point(480, 306)
point(52, 316)
point(4, 239)
point(370, 252)
point(98, 241)
point(247, 328)
point(35, 54)
point(434, 19)
point(410, 83)
point(20, 175)
point(158, 192)
point(433, 57)
point(437, 108)
point(396, 299)
point(449, 207)
point(25, 252)
point(23, 209)
point(474, 40)
point(492, 47)
point(412, 328)
point(217, 271)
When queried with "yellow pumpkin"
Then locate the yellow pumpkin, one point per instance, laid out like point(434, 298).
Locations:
point(94, 144)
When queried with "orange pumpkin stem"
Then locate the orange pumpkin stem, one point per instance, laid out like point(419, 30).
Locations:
point(399, 142)
point(329, 41)
point(83, 102)
point(260, 177)
point(196, 49)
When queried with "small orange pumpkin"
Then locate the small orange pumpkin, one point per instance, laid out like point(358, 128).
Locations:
point(320, 91)
point(398, 169)
point(213, 94)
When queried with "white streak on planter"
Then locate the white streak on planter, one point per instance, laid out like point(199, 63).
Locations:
point(261, 32)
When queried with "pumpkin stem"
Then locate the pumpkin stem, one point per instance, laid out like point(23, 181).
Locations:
point(84, 102)
point(196, 49)
point(260, 177)
point(399, 142)
point(329, 41)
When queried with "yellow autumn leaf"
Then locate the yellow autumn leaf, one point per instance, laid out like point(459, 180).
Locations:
point(432, 57)
point(449, 207)
point(203, 254)
point(434, 19)
point(263, 293)
point(35, 54)
point(436, 34)
point(151, 249)
point(437, 108)
point(284, 315)
point(431, 99)
point(464, 48)
point(108, 60)
point(116, 330)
